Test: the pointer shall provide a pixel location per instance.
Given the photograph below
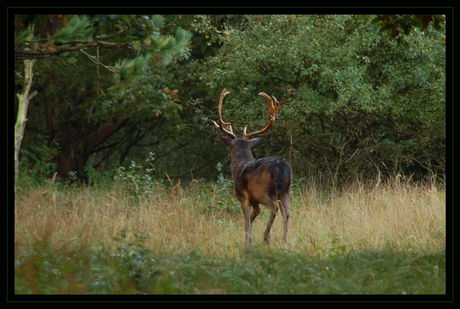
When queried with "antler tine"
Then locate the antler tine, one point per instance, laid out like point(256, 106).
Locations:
point(272, 110)
point(221, 122)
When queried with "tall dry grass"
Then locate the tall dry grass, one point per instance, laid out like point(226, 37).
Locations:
point(401, 215)
point(398, 215)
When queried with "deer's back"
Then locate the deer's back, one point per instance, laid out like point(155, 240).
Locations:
point(263, 178)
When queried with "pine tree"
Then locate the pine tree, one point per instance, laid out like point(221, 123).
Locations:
point(81, 109)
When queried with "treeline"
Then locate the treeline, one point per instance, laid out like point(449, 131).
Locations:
point(360, 95)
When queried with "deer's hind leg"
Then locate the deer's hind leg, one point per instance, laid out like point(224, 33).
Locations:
point(284, 204)
point(256, 208)
point(247, 220)
point(273, 206)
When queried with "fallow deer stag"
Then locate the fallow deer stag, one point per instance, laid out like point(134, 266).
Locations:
point(264, 181)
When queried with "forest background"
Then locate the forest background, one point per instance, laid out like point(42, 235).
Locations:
point(360, 95)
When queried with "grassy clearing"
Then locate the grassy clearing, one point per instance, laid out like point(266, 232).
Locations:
point(365, 239)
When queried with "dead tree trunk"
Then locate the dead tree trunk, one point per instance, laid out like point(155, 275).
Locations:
point(24, 97)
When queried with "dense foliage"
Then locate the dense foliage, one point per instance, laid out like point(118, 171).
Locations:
point(352, 100)
point(359, 94)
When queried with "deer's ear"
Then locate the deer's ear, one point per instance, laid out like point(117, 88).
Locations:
point(227, 141)
point(255, 141)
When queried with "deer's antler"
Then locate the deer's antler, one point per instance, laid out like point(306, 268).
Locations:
point(272, 110)
point(221, 122)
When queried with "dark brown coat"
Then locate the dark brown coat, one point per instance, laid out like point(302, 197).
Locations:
point(264, 181)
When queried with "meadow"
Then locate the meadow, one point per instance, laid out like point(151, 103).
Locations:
point(374, 237)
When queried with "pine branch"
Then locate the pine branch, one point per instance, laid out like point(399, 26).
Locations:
point(36, 54)
point(129, 70)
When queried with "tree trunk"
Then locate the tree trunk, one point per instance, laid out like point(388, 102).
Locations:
point(77, 143)
point(20, 126)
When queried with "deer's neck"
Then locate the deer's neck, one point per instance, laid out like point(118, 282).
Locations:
point(240, 157)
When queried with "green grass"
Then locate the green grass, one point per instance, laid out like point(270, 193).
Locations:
point(136, 270)
point(373, 239)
